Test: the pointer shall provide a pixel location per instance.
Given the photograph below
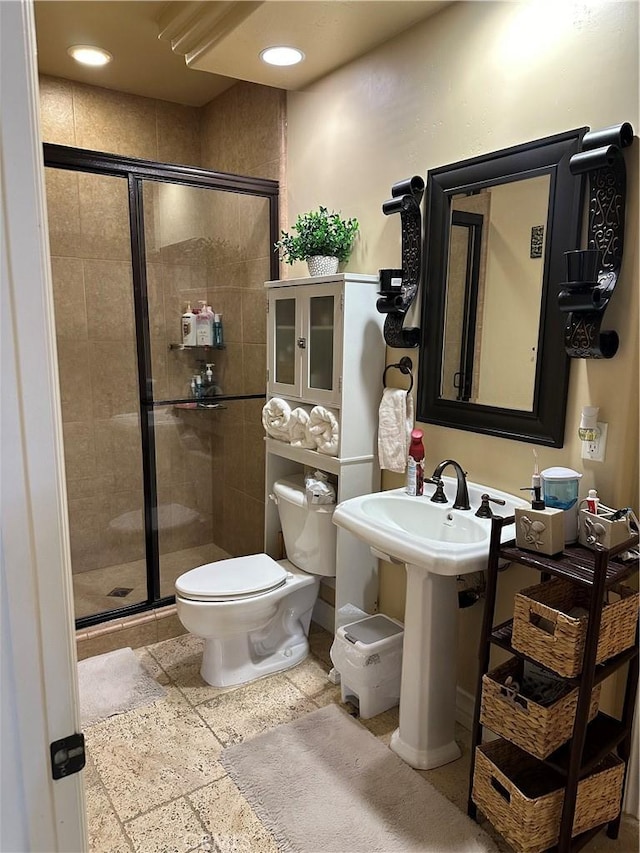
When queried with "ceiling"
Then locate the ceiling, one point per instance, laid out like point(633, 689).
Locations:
point(190, 52)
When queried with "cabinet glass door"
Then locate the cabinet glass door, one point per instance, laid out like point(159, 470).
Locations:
point(321, 334)
point(284, 366)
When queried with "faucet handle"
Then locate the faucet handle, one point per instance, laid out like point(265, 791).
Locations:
point(438, 497)
point(484, 510)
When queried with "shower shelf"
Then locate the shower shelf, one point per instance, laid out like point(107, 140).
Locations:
point(195, 405)
point(195, 346)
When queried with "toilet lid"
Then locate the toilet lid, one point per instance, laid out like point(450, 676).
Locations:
point(229, 579)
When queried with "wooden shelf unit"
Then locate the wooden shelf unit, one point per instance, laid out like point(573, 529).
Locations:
point(598, 571)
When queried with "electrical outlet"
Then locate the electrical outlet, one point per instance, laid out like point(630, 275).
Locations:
point(595, 450)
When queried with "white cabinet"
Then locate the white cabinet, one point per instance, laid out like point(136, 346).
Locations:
point(305, 342)
point(326, 347)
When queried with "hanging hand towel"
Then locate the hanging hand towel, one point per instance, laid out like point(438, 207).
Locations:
point(395, 422)
point(323, 430)
point(276, 418)
point(298, 422)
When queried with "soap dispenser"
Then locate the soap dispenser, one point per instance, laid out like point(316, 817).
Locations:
point(541, 528)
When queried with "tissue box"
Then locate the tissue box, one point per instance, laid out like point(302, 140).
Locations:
point(599, 531)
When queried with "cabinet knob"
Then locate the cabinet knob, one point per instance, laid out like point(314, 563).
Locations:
point(302, 343)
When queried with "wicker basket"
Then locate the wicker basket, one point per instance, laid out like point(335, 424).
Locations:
point(543, 630)
point(538, 729)
point(523, 798)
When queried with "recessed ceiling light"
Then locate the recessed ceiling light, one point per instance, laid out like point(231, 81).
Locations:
point(282, 55)
point(89, 55)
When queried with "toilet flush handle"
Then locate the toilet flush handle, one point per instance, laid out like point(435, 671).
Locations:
point(274, 499)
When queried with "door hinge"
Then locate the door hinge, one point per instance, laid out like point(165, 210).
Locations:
point(267, 374)
point(67, 756)
point(342, 301)
point(340, 384)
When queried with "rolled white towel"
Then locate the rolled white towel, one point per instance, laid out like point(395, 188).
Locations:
point(276, 419)
point(298, 431)
point(395, 422)
point(323, 430)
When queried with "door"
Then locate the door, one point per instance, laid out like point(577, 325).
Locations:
point(39, 678)
point(322, 333)
point(284, 342)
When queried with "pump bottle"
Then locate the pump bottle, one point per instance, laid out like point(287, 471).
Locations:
point(188, 327)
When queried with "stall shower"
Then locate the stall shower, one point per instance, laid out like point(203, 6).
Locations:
point(157, 481)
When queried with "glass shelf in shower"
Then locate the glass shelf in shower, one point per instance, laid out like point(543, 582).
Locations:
point(196, 404)
point(196, 346)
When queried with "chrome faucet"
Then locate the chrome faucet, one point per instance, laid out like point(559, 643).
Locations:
point(462, 493)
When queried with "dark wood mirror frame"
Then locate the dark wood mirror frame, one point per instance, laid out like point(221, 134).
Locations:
point(544, 424)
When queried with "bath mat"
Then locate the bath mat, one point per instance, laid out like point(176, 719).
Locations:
point(324, 784)
point(114, 683)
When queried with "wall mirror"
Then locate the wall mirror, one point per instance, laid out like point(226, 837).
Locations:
point(492, 355)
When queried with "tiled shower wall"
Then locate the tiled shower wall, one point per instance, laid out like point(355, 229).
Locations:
point(241, 132)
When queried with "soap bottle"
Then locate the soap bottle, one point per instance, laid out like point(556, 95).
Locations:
point(415, 464)
point(208, 381)
point(218, 338)
point(541, 528)
point(188, 327)
point(204, 326)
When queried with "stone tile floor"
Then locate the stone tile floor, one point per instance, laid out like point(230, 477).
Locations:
point(153, 780)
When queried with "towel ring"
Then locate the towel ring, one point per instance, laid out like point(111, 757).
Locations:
point(405, 365)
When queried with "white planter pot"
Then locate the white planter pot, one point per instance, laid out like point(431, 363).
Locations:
point(322, 265)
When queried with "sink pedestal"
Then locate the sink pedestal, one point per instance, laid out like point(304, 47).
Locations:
point(425, 737)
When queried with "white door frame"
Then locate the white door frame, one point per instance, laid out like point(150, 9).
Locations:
point(39, 674)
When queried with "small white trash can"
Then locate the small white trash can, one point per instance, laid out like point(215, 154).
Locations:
point(368, 656)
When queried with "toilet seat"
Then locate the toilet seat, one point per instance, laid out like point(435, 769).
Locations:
point(226, 580)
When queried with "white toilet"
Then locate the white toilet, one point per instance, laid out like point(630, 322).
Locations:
point(253, 612)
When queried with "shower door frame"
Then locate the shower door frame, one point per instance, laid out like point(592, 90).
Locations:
point(136, 172)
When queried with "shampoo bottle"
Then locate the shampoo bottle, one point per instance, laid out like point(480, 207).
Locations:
point(218, 338)
point(188, 327)
point(415, 464)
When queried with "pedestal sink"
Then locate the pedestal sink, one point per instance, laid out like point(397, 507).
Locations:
point(436, 543)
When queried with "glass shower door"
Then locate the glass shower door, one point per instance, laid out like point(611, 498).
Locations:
point(205, 247)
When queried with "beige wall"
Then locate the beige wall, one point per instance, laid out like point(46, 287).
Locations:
point(202, 458)
point(475, 78)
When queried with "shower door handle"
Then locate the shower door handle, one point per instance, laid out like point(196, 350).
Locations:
point(302, 343)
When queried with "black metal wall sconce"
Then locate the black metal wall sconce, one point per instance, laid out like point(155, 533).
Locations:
point(398, 288)
point(592, 273)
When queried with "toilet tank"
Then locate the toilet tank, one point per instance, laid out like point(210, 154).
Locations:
point(309, 532)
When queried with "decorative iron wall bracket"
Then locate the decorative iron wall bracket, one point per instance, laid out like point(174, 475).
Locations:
point(398, 288)
point(592, 274)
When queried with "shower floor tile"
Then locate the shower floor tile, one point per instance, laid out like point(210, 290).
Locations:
point(98, 590)
point(153, 780)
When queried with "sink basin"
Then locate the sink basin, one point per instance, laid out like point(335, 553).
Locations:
point(432, 536)
point(435, 543)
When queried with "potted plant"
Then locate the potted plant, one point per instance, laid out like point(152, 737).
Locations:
point(320, 238)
